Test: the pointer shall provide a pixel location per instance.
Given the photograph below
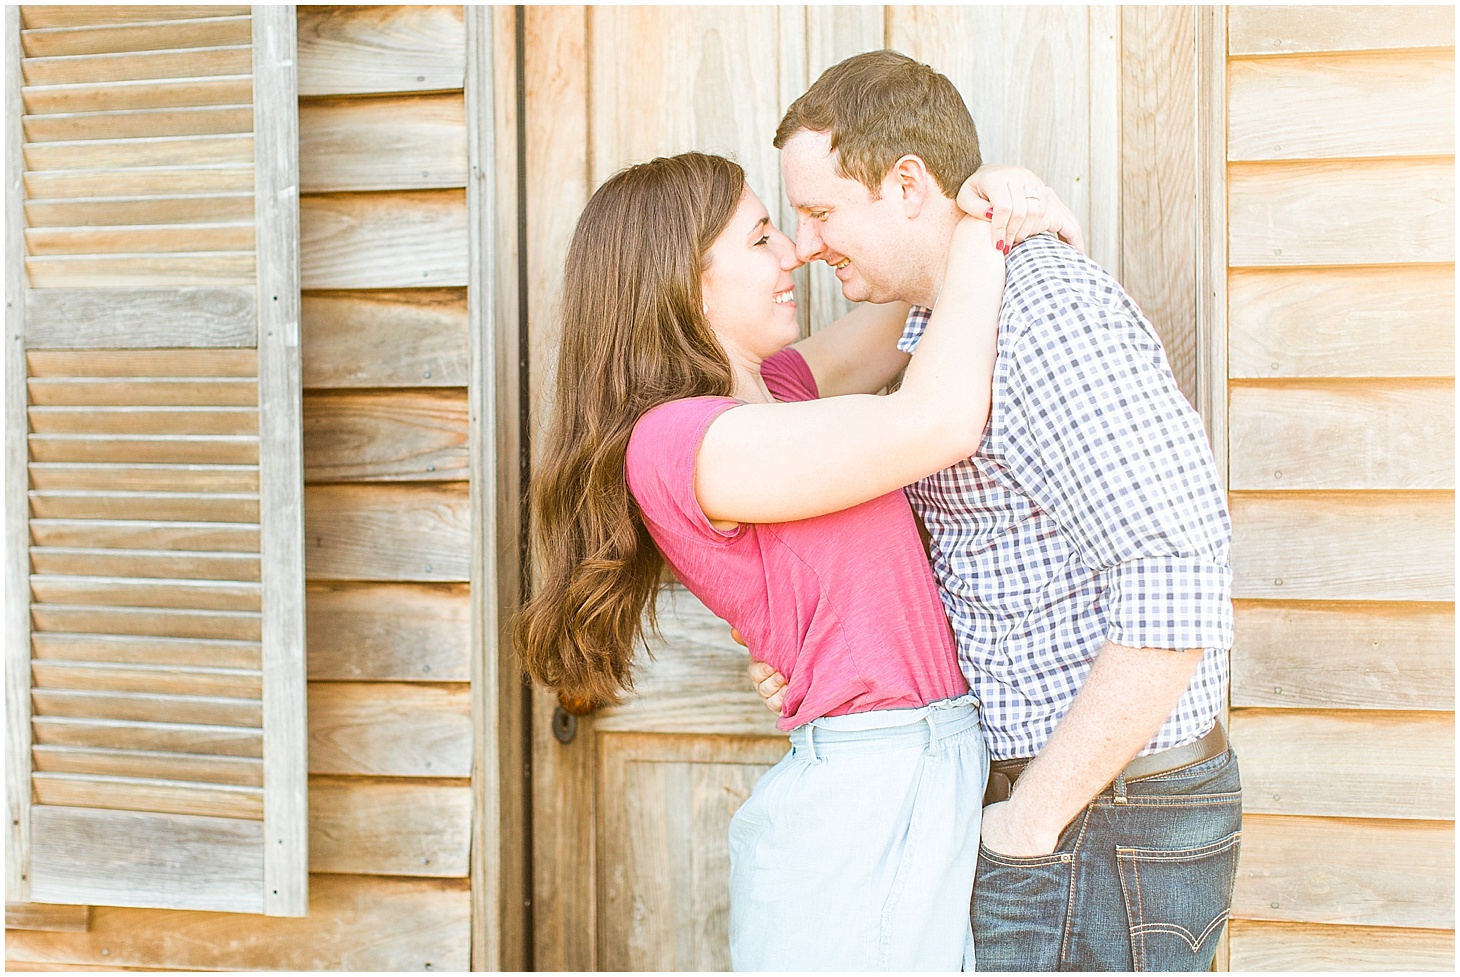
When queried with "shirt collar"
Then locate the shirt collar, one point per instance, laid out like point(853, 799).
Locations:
point(912, 330)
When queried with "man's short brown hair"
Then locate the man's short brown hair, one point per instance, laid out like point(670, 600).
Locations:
point(880, 106)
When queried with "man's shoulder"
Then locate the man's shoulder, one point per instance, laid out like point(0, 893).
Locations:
point(1045, 274)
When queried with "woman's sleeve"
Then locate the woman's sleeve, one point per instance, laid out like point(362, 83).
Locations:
point(660, 466)
point(788, 376)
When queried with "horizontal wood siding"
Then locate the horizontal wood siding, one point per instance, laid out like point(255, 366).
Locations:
point(387, 534)
point(1341, 438)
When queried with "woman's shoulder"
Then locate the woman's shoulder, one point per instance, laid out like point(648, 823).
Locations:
point(663, 433)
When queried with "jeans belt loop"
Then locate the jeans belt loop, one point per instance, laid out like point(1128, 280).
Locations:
point(811, 741)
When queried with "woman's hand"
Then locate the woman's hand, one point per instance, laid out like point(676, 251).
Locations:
point(1018, 205)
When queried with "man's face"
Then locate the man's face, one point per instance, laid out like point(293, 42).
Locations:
point(839, 221)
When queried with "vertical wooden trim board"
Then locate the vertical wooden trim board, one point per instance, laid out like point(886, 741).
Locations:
point(281, 460)
point(498, 856)
point(1211, 238)
point(17, 555)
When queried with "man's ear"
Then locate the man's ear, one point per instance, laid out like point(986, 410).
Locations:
point(910, 180)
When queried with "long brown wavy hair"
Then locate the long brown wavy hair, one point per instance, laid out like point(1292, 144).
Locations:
point(634, 336)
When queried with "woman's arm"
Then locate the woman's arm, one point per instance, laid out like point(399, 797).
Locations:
point(777, 462)
point(858, 354)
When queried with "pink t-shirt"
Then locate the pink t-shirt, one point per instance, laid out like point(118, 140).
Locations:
point(844, 605)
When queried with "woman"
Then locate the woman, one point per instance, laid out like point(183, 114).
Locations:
point(688, 429)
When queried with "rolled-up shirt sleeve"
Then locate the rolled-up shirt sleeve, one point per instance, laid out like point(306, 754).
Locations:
point(1097, 433)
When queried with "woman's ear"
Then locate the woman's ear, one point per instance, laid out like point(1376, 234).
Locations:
point(910, 180)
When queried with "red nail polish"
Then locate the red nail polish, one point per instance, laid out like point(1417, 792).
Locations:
point(990, 214)
point(1000, 245)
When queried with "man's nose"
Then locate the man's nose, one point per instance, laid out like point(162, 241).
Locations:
point(786, 248)
point(809, 245)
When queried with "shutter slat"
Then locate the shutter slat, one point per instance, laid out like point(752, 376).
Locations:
point(146, 534)
point(153, 36)
point(151, 93)
point(160, 151)
point(130, 123)
point(234, 771)
point(137, 65)
point(147, 707)
point(171, 209)
point(163, 622)
point(144, 735)
point(237, 683)
point(139, 794)
point(148, 650)
point(144, 563)
point(140, 181)
point(180, 506)
point(144, 478)
point(144, 392)
point(215, 595)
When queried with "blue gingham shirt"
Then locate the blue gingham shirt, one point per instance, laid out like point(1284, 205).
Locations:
point(1091, 512)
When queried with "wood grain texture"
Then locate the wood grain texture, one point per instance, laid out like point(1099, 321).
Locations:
point(384, 240)
point(558, 172)
point(237, 507)
point(234, 364)
point(99, 476)
point(665, 805)
point(354, 50)
point(1295, 29)
point(124, 734)
point(241, 683)
point(104, 391)
point(130, 858)
point(114, 762)
point(1354, 322)
point(390, 729)
point(1158, 172)
point(1286, 214)
point(141, 534)
point(382, 143)
point(375, 827)
point(1353, 434)
point(191, 268)
point(139, 650)
point(54, 919)
point(1302, 946)
point(388, 532)
point(137, 182)
point(1348, 546)
point(281, 466)
point(144, 420)
point(1351, 656)
point(388, 631)
point(109, 211)
point(1350, 106)
point(695, 682)
point(176, 449)
point(47, 42)
point(153, 93)
point(175, 317)
point(147, 707)
point(1347, 764)
point(203, 120)
point(236, 148)
point(223, 59)
point(1349, 871)
point(354, 923)
point(382, 436)
point(86, 15)
point(150, 621)
point(388, 338)
point(16, 512)
point(499, 829)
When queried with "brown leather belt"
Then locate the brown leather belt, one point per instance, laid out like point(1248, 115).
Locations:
point(1003, 773)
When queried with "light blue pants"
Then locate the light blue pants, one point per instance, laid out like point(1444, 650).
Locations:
point(857, 851)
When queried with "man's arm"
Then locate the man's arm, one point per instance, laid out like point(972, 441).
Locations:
point(1127, 695)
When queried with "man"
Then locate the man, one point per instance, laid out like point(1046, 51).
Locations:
point(1082, 553)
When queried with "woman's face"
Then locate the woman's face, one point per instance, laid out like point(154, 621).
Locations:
point(747, 285)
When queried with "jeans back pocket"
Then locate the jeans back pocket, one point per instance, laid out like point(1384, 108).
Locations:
point(1176, 902)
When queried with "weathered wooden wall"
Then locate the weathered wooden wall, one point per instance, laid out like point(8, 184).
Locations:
point(388, 525)
point(1340, 359)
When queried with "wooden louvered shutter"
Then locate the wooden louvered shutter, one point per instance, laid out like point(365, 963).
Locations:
point(154, 585)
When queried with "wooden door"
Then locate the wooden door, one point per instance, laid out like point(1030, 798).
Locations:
point(632, 804)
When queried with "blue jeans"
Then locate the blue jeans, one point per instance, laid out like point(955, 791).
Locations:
point(1141, 880)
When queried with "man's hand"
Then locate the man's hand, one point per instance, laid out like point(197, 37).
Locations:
point(1003, 833)
point(1018, 205)
point(769, 684)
